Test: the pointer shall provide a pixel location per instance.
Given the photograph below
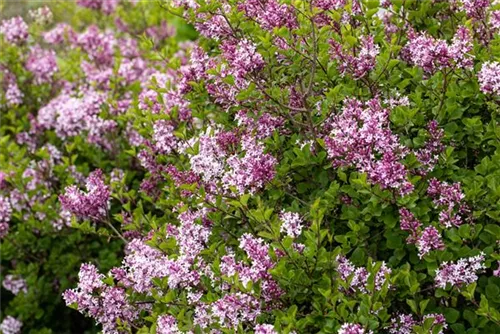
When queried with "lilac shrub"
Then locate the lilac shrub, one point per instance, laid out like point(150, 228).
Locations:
point(253, 166)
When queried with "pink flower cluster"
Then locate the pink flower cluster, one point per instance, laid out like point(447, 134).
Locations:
point(69, 115)
point(359, 62)
point(270, 14)
point(350, 328)
point(242, 57)
point(291, 224)
point(258, 252)
point(61, 33)
point(404, 323)
point(264, 329)
point(14, 30)
point(11, 325)
point(426, 240)
point(5, 214)
point(166, 324)
point(252, 171)
point(42, 15)
point(358, 276)
point(428, 155)
point(90, 205)
point(106, 6)
point(361, 133)
point(164, 138)
point(109, 306)
point(330, 4)
point(450, 198)
point(489, 78)
point(42, 64)
point(15, 284)
point(433, 55)
point(475, 9)
point(464, 272)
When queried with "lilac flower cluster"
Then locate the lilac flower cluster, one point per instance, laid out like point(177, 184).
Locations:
point(433, 55)
point(330, 4)
point(464, 272)
point(107, 6)
point(61, 33)
point(42, 64)
point(270, 13)
point(475, 9)
point(107, 305)
point(42, 15)
point(252, 171)
point(428, 155)
point(5, 214)
point(358, 276)
point(69, 115)
point(242, 57)
point(15, 284)
point(165, 140)
point(291, 224)
point(359, 134)
point(14, 30)
point(350, 328)
point(426, 240)
point(13, 95)
point(450, 198)
point(11, 325)
point(265, 329)
point(404, 323)
point(258, 252)
point(489, 78)
point(90, 205)
point(360, 62)
point(166, 324)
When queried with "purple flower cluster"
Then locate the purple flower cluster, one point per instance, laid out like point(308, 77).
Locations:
point(106, 6)
point(432, 55)
point(42, 15)
point(270, 14)
point(350, 328)
point(464, 272)
point(404, 323)
point(15, 284)
point(252, 171)
point(361, 133)
point(330, 4)
point(475, 9)
point(360, 62)
point(69, 115)
point(358, 276)
point(90, 205)
point(489, 78)
point(258, 252)
point(107, 305)
point(166, 324)
point(291, 224)
point(5, 214)
point(165, 140)
point(426, 240)
point(450, 198)
point(428, 155)
point(242, 57)
point(11, 325)
point(42, 64)
point(14, 30)
point(264, 329)
point(61, 33)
